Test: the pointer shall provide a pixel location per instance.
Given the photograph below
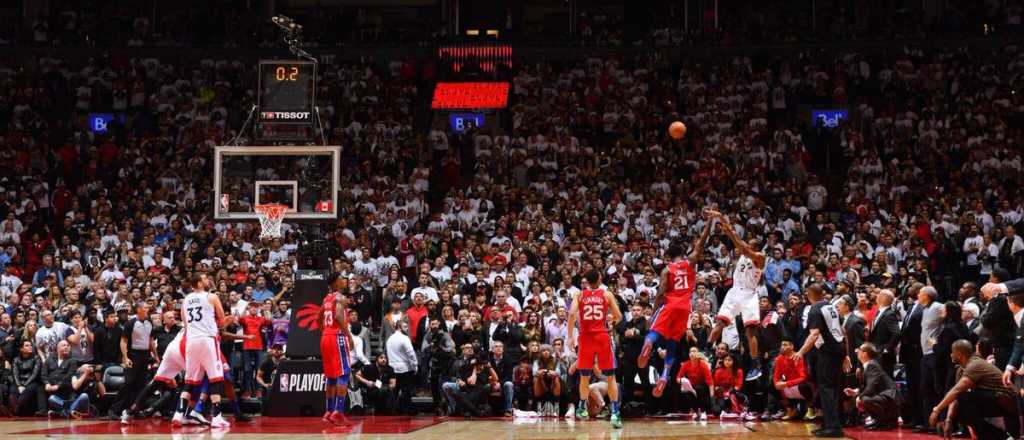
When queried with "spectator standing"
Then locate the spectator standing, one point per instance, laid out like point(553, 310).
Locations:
point(885, 330)
point(50, 334)
point(910, 356)
point(253, 352)
point(933, 378)
point(402, 359)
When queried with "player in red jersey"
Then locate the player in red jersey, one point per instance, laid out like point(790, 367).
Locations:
point(335, 341)
point(672, 305)
point(594, 341)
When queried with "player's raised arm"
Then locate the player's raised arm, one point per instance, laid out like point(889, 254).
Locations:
point(218, 310)
point(698, 247)
point(659, 299)
point(613, 306)
point(755, 255)
point(574, 309)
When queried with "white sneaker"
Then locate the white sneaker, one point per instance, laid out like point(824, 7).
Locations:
point(749, 417)
point(125, 418)
point(728, 415)
point(197, 417)
point(219, 422)
point(571, 413)
point(703, 416)
point(178, 419)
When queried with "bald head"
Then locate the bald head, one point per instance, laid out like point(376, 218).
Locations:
point(885, 298)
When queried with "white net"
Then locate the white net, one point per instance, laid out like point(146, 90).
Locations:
point(270, 216)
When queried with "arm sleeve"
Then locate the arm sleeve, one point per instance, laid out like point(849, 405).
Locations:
point(777, 371)
point(1015, 285)
point(682, 371)
point(1018, 351)
point(801, 374)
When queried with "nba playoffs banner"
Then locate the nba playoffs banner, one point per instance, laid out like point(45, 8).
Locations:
point(304, 327)
point(298, 389)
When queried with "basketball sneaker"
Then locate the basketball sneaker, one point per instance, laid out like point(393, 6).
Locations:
point(645, 355)
point(177, 420)
point(659, 389)
point(339, 418)
point(197, 417)
point(582, 413)
point(327, 417)
point(616, 421)
point(219, 422)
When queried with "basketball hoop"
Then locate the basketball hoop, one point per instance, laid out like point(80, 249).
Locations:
point(271, 215)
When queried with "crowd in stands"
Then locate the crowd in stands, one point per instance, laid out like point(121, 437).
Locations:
point(463, 250)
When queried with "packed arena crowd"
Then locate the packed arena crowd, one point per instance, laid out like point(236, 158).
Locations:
point(460, 253)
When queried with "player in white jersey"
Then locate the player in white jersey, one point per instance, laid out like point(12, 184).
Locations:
point(741, 300)
point(204, 318)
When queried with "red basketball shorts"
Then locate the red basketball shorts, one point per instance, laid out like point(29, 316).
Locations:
point(596, 347)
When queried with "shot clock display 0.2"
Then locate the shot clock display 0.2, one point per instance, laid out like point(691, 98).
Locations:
point(287, 90)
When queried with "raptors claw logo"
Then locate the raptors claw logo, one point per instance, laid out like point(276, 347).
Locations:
point(309, 317)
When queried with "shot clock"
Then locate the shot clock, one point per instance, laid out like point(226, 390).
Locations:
point(287, 91)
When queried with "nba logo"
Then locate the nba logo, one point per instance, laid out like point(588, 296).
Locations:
point(284, 383)
point(224, 202)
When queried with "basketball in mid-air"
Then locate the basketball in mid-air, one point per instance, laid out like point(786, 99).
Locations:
point(677, 130)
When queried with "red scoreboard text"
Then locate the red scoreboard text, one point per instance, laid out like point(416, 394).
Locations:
point(470, 95)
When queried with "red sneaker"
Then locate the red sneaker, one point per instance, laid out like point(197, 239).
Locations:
point(327, 417)
point(339, 418)
point(659, 389)
point(645, 354)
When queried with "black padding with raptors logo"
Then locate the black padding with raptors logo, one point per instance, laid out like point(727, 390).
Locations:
point(304, 327)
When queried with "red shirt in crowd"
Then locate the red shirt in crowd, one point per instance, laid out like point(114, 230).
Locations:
point(794, 371)
point(727, 380)
point(253, 325)
point(697, 372)
point(416, 314)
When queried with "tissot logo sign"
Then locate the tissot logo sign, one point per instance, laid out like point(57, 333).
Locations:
point(285, 116)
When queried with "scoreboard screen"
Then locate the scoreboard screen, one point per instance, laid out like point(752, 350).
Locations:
point(287, 91)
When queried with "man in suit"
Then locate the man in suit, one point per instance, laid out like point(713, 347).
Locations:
point(969, 315)
point(853, 327)
point(910, 356)
point(932, 381)
point(885, 330)
point(996, 319)
point(877, 396)
point(1016, 304)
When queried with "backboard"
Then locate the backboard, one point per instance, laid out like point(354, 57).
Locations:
point(305, 178)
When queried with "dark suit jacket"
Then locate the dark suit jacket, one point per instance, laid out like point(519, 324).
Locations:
point(886, 332)
point(910, 336)
point(997, 322)
point(1018, 346)
point(876, 381)
point(60, 375)
point(854, 328)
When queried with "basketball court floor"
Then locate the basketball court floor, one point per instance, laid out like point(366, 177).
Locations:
point(425, 428)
